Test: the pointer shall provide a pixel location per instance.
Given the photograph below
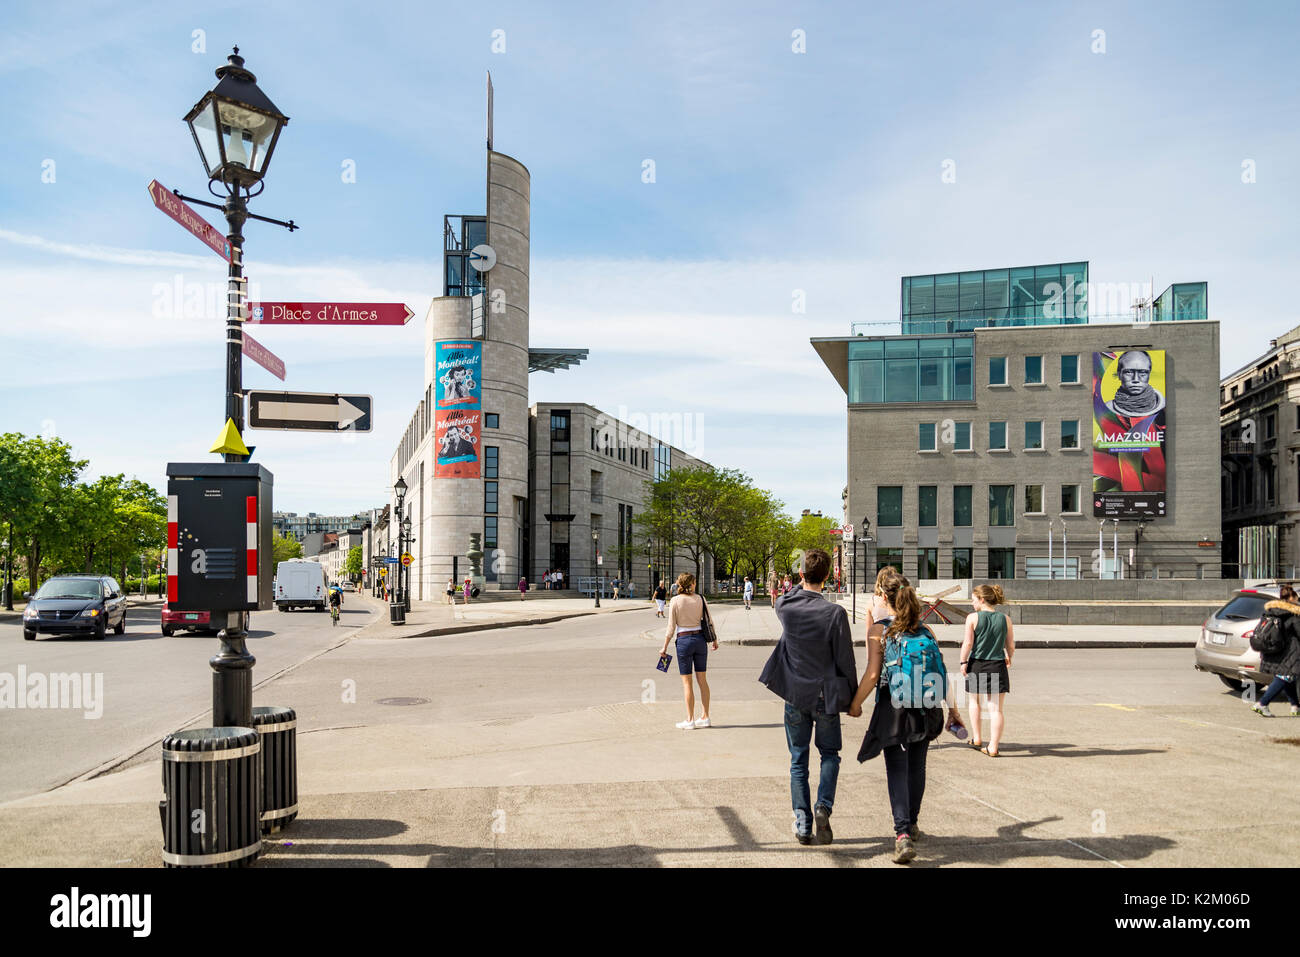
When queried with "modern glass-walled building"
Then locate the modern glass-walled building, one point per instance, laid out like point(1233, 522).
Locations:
point(1055, 294)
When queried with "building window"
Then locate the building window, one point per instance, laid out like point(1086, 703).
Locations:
point(1069, 433)
point(911, 370)
point(1069, 499)
point(1270, 483)
point(997, 370)
point(889, 506)
point(926, 440)
point(491, 420)
point(961, 563)
point(1069, 370)
point(928, 506)
point(1033, 370)
point(593, 440)
point(1002, 505)
point(490, 497)
point(961, 437)
point(560, 427)
point(490, 459)
point(1270, 426)
point(1033, 500)
point(961, 505)
point(1002, 563)
point(889, 556)
point(997, 436)
point(927, 563)
point(1034, 435)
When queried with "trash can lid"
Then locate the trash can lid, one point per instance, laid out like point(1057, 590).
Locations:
point(272, 715)
point(210, 739)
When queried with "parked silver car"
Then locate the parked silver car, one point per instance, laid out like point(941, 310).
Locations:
point(1224, 646)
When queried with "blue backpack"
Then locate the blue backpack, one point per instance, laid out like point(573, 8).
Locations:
point(914, 671)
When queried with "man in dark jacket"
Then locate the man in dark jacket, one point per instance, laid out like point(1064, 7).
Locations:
point(812, 668)
point(1285, 665)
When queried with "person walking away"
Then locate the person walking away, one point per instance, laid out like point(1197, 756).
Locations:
point(905, 667)
point(813, 670)
point(661, 596)
point(687, 614)
point(986, 653)
point(772, 589)
point(523, 586)
point(749, 592)
point(1284, 664)
point(616, 584)
point(451, 591)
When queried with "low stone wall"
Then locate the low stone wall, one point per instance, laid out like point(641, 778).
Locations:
point(1210, 590)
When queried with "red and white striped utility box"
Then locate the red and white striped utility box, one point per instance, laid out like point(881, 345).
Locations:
point(219, 555)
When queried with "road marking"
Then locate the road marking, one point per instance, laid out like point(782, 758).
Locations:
point(1191, 721)
point(1117, 707)
point(1022, 821)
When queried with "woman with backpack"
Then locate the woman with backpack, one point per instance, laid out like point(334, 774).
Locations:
point(986, 654)
point(913, 695)
point(1280, 655)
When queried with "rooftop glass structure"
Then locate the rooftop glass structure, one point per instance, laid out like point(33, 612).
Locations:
point(460, 234)
point(897, 369)
point(1182, 300)
point(1046, 295)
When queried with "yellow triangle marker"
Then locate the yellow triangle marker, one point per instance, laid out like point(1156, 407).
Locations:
point(229, 442)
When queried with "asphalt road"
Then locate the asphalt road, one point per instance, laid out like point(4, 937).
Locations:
point(152, 686)
point(554, 745)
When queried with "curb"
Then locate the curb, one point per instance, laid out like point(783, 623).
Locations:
point(482, 626)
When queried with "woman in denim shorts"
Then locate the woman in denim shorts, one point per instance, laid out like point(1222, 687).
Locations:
point(685, 615)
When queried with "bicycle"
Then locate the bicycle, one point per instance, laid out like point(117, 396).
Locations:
point(334, 614)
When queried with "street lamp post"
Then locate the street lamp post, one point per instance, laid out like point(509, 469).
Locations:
point(408, 543)
point(235, 128)
point(595, 554)
point(399, 489)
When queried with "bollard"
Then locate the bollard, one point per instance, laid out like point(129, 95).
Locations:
point(278, 730)
point(212, 810)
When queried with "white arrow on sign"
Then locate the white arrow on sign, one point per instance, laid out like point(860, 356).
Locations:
point(309, 411)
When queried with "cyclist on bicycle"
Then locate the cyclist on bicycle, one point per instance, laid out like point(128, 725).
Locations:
point(336, 599)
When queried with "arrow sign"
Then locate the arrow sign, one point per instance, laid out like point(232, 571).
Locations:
point(309, 411)
point(329, 313)
point(171, 204)
point(263, 356)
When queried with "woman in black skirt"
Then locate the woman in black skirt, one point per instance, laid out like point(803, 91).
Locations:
point(901, 734)
point(985, 657)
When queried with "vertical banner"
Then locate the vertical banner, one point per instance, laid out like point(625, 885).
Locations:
point(458, 396)
point(1129, 407)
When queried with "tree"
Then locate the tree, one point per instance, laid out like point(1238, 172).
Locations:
point(47, 475)
point(17, 496)
point(354, 562)
point(284, 548)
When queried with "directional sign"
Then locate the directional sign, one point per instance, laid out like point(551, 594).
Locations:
point(207, 234)
point(329, 313)
point(390, 560)
point(263, 356)
point(309, 411)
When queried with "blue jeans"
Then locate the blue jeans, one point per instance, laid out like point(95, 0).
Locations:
point(905, 777)
point(799, 727)
point(1279, 684)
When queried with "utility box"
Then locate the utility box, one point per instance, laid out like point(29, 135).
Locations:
point(219, 552)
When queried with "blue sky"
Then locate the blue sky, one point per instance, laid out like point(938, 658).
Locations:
point(775, 171)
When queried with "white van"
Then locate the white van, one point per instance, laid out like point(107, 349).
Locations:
point(300, 584)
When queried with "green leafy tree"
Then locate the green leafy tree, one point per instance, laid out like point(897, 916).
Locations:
point(284, 548)
point(49, 473)
point(354, 562)
point(18, 495)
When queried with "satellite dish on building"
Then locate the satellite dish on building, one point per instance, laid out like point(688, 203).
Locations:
point(482, 257)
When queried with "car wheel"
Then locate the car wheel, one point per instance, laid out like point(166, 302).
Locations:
point(1232, 683)
point(168, 631)
point(29, 635)
point(120, 629)
point(101, 629)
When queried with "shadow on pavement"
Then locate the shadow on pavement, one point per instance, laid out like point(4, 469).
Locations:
point(1067, 751)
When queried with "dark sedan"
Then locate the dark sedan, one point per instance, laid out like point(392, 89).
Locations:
point(76, 604)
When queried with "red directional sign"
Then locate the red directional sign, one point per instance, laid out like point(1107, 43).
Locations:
point(263, 356)
point(329, 313)
point(207, 234)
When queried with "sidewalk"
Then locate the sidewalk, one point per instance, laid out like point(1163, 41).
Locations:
point(428, 619)
point(759, 626)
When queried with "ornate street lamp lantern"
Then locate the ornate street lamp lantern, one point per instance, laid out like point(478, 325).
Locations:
point(235, 127)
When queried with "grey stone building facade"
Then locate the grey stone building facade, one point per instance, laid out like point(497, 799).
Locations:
point(1259, 415)
point(983, 465)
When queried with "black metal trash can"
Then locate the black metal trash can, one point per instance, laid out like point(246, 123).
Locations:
point(397, 613)
point(213, 781)
point(278, 729)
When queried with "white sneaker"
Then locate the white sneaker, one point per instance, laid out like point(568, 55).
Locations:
point(702, 723)
point(1262, 710)
point(686, 725)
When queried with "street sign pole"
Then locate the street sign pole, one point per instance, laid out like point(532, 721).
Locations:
point(236, 210)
